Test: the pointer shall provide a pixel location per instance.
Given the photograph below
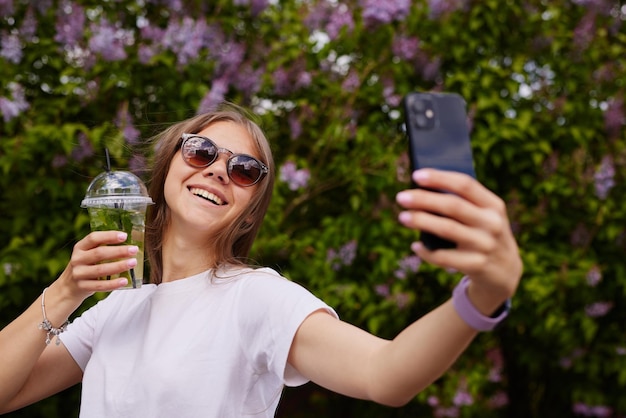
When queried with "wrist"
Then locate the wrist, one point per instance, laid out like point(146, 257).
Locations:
point(487, 315)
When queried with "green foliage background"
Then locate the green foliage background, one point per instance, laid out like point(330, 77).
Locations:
point(544, 82)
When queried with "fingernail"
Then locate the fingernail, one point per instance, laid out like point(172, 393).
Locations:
point(404, 217)
point(132, 262)
point(122, 236)
point(416, 246)
point(122, 282)
point(403, 197)
point(420, 175)
point(133, 249)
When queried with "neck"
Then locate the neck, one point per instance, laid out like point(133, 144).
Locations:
point(184, 258)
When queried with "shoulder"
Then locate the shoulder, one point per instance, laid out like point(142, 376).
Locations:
point(260, 280)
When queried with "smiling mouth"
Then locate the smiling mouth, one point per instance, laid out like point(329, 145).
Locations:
point(207, 196)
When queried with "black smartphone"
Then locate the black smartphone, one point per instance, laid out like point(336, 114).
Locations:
point(438, 132)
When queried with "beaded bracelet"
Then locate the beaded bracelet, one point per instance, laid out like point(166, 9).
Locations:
point(47, 326)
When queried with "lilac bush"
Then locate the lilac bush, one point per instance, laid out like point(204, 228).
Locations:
point(544, 86)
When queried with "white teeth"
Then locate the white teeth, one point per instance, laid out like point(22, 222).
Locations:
point(207, 195)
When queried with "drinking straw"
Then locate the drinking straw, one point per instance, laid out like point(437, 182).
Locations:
point(120, 223)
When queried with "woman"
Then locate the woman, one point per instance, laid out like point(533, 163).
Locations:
point(213, 337)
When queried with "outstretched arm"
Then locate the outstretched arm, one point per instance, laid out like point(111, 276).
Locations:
point(347, 360)
point(30, 369)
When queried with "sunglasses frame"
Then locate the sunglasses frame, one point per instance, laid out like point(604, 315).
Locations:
point(264, 170)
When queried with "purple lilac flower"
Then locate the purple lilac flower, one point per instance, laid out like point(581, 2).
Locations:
point(450, 412)
point(146, 52)
point(580, 236)
point(598, 309)
point(215, 96)
point(376, 12)
point(43, 6)
point(256, 6)
point(343, 257)
point(382, 290)
point(441, 7)
point(409, 264)
point(11, 108)
point(585, 30)
point(621, 351)
point(585, 410)
point(580, 408)
point(614, 117)
point(59, 161)
point(596, 5)
point(429, 68)
point(316, 16)
point(389, 92)
point(29, 25)
point(83, 150)
point(110, 41)
point(281, 81)
point(137, 164)
point(151, 33)
point(405, 47)
point(498, 400)
point(303, 79)
point(462, 398)
point(11, 49)
point(495, 375)
point(351, 82)
point(229, 57)
point(6, 7)
point(604, 177)
point(432, 401)
point(295, 127)
point(402, 300)
point(594, 276)
point(185, 38)
point(295, 179)
point(566, 362)
point(341, 17)
point(70, 24)
point(124, 120)
point(248, 79)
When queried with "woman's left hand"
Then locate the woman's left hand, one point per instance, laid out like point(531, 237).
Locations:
point(474, 218)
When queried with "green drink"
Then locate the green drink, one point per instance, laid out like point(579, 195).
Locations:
point(129, 221)
point(117, 201)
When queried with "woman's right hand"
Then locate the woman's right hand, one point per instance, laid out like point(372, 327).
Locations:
point(92, 258)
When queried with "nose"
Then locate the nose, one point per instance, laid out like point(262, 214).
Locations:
point(218, 169)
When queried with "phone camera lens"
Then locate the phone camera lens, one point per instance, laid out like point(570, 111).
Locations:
point(419, 106)
point(421, 120)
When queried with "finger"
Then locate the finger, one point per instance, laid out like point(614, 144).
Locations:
point(467, 262)
point(102, 253)
point(460, 184)
point(466, 237)
point(98, 238)
point(455, 207)
point(92, 286)
point(85, 273)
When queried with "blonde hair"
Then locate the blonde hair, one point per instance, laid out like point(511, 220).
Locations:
point(232, 245)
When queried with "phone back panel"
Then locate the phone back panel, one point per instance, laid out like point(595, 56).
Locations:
point(438, 132)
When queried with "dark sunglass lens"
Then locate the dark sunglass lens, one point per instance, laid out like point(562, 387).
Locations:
point(199, 152)
point(244, 170)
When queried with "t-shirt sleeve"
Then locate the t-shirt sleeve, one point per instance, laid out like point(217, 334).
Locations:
point(80, 334)
point(272, 310)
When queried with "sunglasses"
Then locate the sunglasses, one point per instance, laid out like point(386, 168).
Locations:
point(199, 151)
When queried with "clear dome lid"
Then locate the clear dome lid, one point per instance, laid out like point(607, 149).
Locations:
point(116, 187)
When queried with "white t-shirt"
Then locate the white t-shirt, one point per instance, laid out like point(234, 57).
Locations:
point(196, 347)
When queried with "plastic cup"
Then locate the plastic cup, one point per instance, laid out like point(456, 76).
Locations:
point(117, 200)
